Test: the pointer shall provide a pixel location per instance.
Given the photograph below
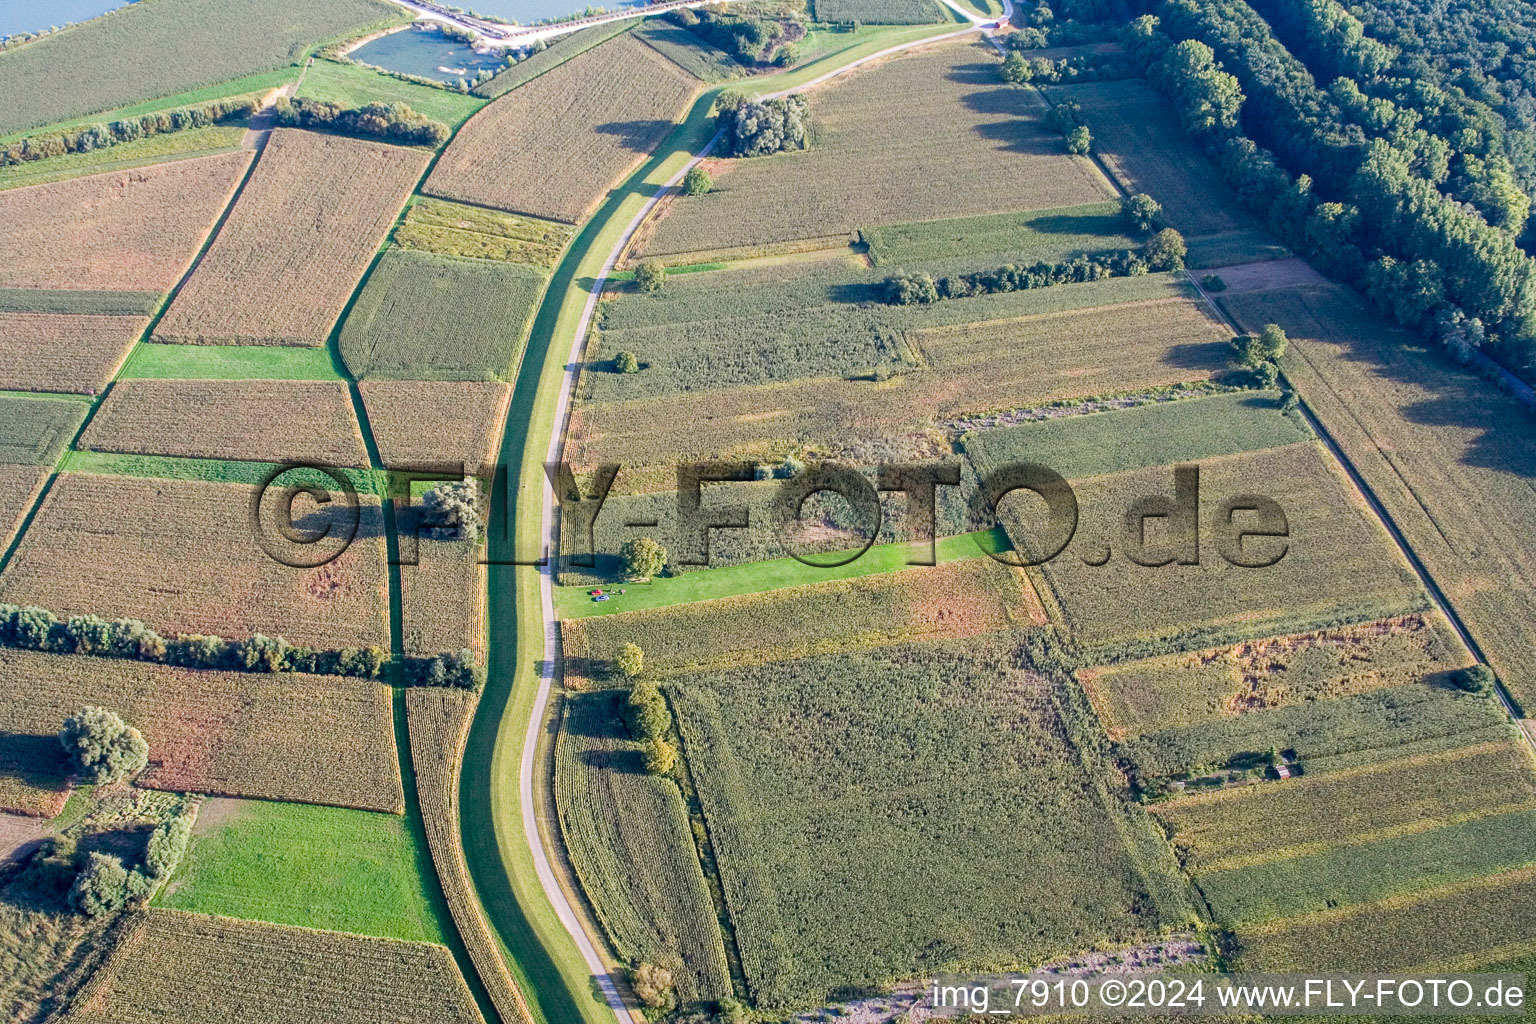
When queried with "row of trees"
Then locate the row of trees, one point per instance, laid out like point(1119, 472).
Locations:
point(392, 122)
point(1366, 211)
point(1019, 68)
point(753, 128)
point(38, 629)
point(1164, 251)
point(103, 136)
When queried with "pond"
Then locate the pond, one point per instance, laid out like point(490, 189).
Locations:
point(37, 15)
point(428, 53)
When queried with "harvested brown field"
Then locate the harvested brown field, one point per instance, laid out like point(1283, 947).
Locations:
point(1254, 277)
point(303, 232)
point(441, 598)
point(181, 968)
point(888, 138)
point(1450, 457)
point(183, 557)
point(19, 834)
point(254, 420)
point(18, 488)
point(64, 351)
point(1144, 697)
point(289, 736)
point(958, 599)
point(428, 423)
point(553, 147)
point(124, 231)
point(439, 721)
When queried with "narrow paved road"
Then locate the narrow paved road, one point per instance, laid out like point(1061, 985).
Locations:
point(550, 531)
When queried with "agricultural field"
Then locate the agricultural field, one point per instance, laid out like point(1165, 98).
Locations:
point(1468, 922)
point(628, 838)
point(1449, 457)
point(179, 968)
point(961, 244)
point(562, 49)
point(319, 867)
point(438, 720)
point(878, 883)
point(595, 116)
point(123, 231)
point(317, 739)
point(879, 12)
point(166, 47)
point(181, 556)
point(427, 317)
point(743, 338)
point(18, 490)
point(64, 352)
point(228, 362)
point(352, 85)
point(1140, 697)
point(440, 598)
point(964, 598)
point(271, 421)
point(185, 144)
point(1136, 134)
point(427, 423)
point(688, 50)
point(306, 227)
point(33, 431)
point(919, 136)
point(1339, 564)
point(453, 229)
point(78, 303)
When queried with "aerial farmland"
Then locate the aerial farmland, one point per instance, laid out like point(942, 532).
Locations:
point(765, 511)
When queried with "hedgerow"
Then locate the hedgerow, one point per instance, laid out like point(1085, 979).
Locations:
point(90, 137)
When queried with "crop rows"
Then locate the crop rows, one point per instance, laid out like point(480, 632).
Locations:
point(1448, 457)
point(438, 720)
point(875, 162)
point(123, 231)
point(18, 488)
point(452, 229)
point(261, 420)
point(1138, 138)
point(33, 431)
point(426, 317)
point(182, 557)
point(1338, 566)
point(628, 838)
point(1185, 689)
point(306, 227)
point(1424, 931)
point(417, 423)
point(440, 598)
point(957, 599)
point(177, 968)
point(1378, 723)
point(964, 244)
point(64, 352)
point(879, 12)
point(834, 787)
point(593, 117)
point(318, 739)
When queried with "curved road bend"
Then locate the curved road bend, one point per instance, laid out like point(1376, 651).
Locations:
point(551, 529)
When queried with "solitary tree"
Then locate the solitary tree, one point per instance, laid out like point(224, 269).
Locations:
point(643, 558)
point(102, 746)
point(697, 181)
point(650, 276)
point(1079, 140)
point(653, 986)
point(1143, 212)
point(631, 660)
point(1166, 250)
point(1016, 68)
point(1272, 341)
point(1477, 679)
point(660, 757)
point(454, 506)
point(626, 361)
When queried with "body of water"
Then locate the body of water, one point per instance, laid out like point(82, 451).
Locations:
point(526, 12)
point(37, 15)
point(427, 53)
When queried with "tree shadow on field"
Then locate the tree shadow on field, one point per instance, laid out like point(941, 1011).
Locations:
point(1205, 355)
point(1022, 136)
point(978, 73)
point(33, 760)
point(639, 136)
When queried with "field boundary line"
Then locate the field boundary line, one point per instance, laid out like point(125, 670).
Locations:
point(1426, 579)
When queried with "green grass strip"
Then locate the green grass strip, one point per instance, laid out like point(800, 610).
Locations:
point(230, 362)
point(221, 471)
point(760, 577)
